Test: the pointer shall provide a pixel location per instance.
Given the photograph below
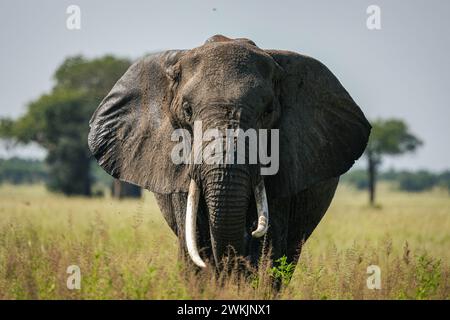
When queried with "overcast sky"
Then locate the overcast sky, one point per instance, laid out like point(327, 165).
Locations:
point(400, 71)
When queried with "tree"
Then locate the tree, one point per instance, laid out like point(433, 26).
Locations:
point(388, 137)
point(59, 120)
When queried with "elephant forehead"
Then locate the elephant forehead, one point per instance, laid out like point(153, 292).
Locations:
point(222, 38)
point(228, 57)
point(224, 83)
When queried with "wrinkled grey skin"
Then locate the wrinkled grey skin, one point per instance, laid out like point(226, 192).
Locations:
point(232, 83)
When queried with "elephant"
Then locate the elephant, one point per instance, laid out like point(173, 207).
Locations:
point(221, 210)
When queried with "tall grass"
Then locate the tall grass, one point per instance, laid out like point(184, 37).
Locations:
point(125, 250)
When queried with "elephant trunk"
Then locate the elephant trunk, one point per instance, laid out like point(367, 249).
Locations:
point(227, 204)
point(227, 191)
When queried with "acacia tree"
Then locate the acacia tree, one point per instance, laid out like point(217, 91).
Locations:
point(59, 120)
point(388, 137)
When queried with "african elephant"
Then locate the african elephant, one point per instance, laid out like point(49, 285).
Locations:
point(232, 83)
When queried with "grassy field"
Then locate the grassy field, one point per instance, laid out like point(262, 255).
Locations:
point(125, 250)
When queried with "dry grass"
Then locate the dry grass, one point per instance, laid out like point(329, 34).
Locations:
point(126, 251)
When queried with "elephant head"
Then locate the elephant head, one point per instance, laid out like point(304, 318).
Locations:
point(227, 83)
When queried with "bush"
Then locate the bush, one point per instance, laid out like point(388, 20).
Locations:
point(390, 175)
point(357, 178)
point(411, 181)
point(444, 180)
point(418, 181)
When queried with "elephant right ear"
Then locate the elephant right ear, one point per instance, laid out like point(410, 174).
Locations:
point(131, 130)
point(322, 130)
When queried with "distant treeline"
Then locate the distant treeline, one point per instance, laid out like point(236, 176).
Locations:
point(411, 181)
point(21, 171)
point(26, 171)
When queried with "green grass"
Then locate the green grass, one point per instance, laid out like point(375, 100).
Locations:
point(125, 250)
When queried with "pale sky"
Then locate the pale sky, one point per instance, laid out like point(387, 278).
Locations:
point(402, 70)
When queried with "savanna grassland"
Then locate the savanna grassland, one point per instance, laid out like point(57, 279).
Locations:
point(125, 250)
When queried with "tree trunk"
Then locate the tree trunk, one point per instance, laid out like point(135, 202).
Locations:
point(372, 168)
point(122, 189)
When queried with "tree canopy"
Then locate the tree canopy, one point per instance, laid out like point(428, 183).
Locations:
point(388, 137)
point(391, 137)
point(59, 120)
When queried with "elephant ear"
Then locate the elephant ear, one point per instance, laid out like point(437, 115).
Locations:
point(322, 130)
point(130, 133)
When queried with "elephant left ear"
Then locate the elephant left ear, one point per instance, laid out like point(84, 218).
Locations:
point(130, 132)
point(322, 130)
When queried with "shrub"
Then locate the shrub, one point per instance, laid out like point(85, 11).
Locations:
point(415, 182)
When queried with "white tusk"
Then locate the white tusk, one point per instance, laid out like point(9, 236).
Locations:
point(263, 210)
point(191, 224)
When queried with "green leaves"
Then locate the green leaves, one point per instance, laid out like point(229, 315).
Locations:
point(59, 120)
point(6, 128)
point(428, 277)
point(282, 270)
point(391, 137)
point(95, 76)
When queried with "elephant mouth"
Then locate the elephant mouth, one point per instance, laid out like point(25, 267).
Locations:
point(192, 209)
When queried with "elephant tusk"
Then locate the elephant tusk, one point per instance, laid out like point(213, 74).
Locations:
point(191, 224)
point(263, 210)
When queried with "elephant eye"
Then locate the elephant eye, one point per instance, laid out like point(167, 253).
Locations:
point(187, 110)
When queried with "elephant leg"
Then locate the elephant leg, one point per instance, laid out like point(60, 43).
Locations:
point(306, 210)
point(278, 228)
point(173, 208)
point(168, 206)
point(273, 245)
point(293, 219)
